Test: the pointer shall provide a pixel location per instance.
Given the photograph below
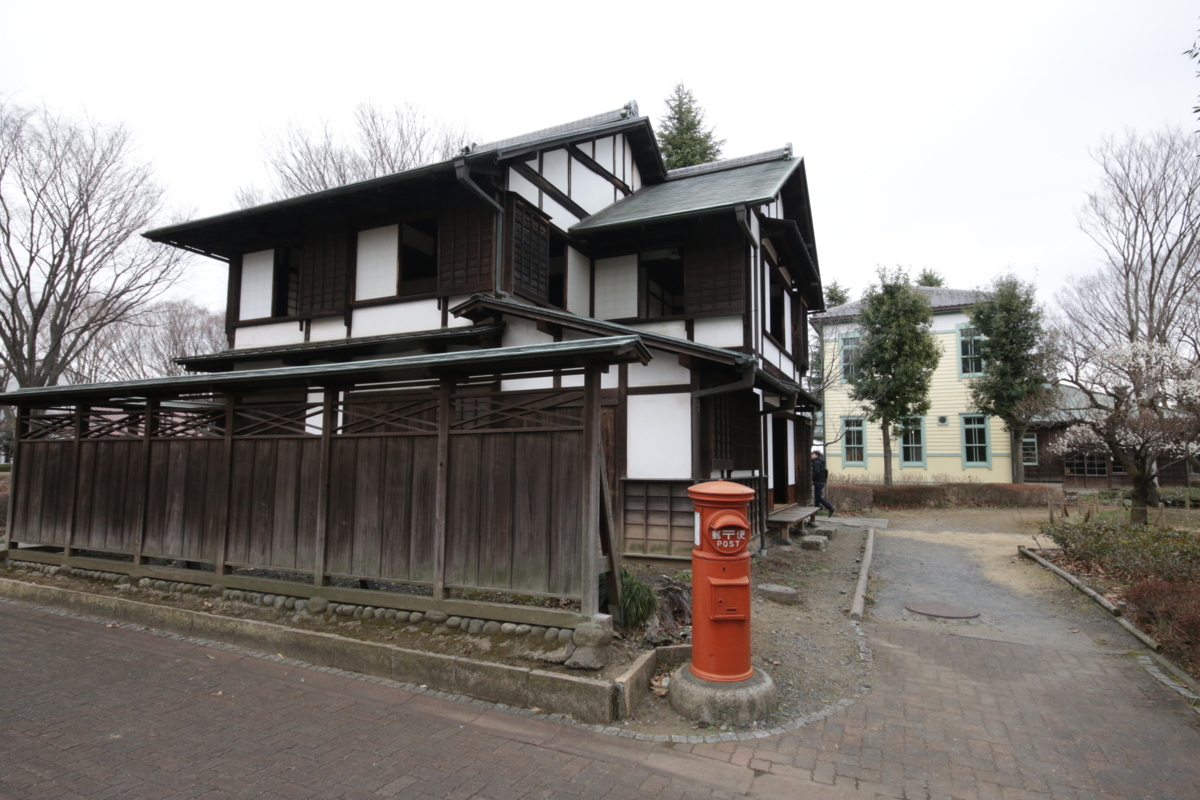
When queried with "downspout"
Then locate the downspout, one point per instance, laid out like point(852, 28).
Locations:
point(463, 173)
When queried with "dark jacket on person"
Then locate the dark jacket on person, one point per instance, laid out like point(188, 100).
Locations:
point(819, 473)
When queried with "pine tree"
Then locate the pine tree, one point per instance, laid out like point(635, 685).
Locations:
point(836, 295)
point(896, 359)
point(1016, 373)
point(682, 136)
point(929, 277)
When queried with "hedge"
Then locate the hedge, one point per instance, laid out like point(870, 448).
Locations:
point(1170, 612)
point(860, 496)
point(1130, 552)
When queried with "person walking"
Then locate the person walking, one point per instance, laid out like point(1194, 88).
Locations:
point(820, 476)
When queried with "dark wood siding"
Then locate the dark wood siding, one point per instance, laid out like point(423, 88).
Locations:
point(324, 261)
point(529, 249)
point(466, 248)
point(714, 263)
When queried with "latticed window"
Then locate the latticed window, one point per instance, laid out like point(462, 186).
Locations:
point(975, 439)
point(1086, 464)
point(912, 442)
point(1029, 450)
point(970, 351)
point(853, 442)
point(849, 357)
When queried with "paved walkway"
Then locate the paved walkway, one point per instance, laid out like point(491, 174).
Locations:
point(97, 712)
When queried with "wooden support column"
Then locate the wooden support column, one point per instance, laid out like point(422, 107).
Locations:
point(442, 495)
point(593, 466)
point(226, 502)
point(20, 422)
point(328, 422)
point(147, 432)
point(73, 486)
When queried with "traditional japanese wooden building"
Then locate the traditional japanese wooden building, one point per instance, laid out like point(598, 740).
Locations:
point(498, 373)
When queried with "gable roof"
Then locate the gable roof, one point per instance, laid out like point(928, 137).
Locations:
point(693, 190)
point(941, 301)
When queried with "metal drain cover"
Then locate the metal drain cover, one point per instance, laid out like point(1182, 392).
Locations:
point(943, 610)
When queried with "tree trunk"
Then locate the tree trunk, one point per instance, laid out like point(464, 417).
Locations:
point(1144, 495)
point(887, 454)
point(1015, 439)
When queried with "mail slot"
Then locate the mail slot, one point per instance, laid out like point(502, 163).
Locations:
point(730, 598)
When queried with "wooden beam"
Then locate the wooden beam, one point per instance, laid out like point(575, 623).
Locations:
point(147, 432)
point(226, 501)
point(608, 544)
point(594, 166)
point(593, 468)
point(73, 486)
point(20, 421)
point(441, 495)
point(549, 188)
point(328, 420)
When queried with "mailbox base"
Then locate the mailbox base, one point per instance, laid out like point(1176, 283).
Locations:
point(724, 703)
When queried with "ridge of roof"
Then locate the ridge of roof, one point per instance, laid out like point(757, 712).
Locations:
point(778, 154)
point(627, 112)
point(940, 299)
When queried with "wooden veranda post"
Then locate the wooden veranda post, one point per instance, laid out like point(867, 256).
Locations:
point(590, 507)
point(441, 495)
point(147, 432)
point(20, 420)
point(73, 486)
point(221, 568)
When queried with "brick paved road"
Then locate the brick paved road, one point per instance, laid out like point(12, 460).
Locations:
point(96, 712)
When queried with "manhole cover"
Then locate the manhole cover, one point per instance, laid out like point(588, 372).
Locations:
point(944, 610)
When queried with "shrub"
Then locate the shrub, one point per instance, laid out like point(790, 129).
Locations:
point(910, 496)
point(1170, 612)
point(1175, 496)
point(638, 599)
point(849, 496)
point(1130, 552)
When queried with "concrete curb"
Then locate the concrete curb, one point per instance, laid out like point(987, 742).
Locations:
point(585, 699)
point(858, 607)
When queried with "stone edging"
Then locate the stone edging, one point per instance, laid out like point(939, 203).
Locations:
point(82, 598)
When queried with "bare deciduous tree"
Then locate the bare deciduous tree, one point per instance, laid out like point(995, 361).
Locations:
point(1124, 331)
point(301, 161)
point(72, 199)
point(147, 346)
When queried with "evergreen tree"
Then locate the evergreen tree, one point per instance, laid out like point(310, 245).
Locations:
point(1016, 374)
point(896, 359)
point(682, 136)
point(929, 277)
point(836, 295)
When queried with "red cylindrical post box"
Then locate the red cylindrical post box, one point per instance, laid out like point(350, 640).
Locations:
point(721, 582)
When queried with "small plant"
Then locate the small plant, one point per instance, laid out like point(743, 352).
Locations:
point(683, 575)
point(1170, 612)
point(1130, 552)
point(638, 600)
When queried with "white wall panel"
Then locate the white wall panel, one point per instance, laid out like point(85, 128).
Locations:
point(626, 173)
point(522, 384)
point(635, 179)
point(663, 370)
point(327, 329)
point(604, 154)
point(377, 263)
point(718, 331)
point(558, 215)
point(258, 272)
point(268, 335)
point(579, 283)
point(519, 331)
point(660, 436)
point(414, 315)
point(554, 168)
point(771, 352)
point(610, 379)
point(589, 189)
point(453, 321)
point(616, 287)
point(573, 381)
point(518, 184)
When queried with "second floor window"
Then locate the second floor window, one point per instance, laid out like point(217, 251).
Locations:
point(970, 352)
point(660, 283)
point(854, 442)
point(849, 357)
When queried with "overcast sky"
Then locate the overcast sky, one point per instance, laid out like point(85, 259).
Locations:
point(946, 135)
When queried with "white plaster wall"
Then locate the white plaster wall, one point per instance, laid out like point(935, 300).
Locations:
point(327, 329)
point(579, 283)
point(771, 353)
point(521, 384)
point(589, 189)
point(635, 180)
point(519, 331)
point(518, 184)
point(453, 321)
point(610, 379)
point(674, 327)
point(626, 159)
point(268, 335)
point(664, 370)
point(558, 215)
point(377, 264)
point(554, 168)
point(258, 273)
point(573, 380)
point(718, 331)
point(616, 287)
point(660, 436)
point(604, 154)
point(414, 315)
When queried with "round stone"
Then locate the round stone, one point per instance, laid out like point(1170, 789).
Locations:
point(358, 612)
point(389, 615)
point(942, 610)
point(537, 631)
point(551, 635)
point(268, 600)
point(345, 610)
point(784, 595)
point(124, 580)
point(491, 627)
point(416, 617)
point(476, 626)
point(508, 629)
point(522, 630)
point(289, 603)
point(317, 604)
point(565, 635)
point(436, 616)
point(402, 616)
point(143, 583)
point(590, 634)
point(301, 606)
point(454, 622)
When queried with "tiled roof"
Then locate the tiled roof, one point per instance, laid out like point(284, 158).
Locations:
point(940, 299)
point(627, 112)
point(710, 187)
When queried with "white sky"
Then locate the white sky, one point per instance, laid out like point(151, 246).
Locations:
point(946, 135)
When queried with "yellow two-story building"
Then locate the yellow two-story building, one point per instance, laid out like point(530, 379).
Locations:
point(952, 442)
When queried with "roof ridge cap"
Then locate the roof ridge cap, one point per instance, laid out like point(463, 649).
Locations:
point(778, 154)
